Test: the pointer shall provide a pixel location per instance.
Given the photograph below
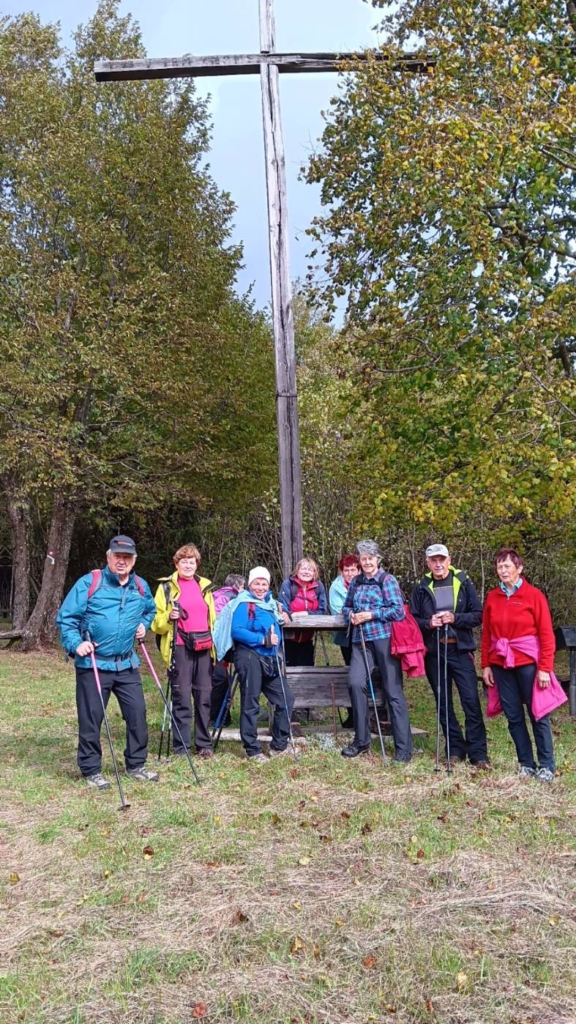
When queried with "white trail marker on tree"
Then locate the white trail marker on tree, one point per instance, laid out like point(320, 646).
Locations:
point(268, 64)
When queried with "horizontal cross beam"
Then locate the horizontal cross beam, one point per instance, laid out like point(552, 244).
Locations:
point(244, 64)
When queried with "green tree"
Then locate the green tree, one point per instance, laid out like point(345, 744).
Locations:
point(126, 356)
point(451, 229)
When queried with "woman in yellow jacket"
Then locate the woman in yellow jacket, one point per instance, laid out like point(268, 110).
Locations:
point(186, 615)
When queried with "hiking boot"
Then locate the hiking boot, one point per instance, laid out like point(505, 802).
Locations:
point(544, 775)
point(142, 774)
point(289, 749)
point(526, 773)
point(258, 758)
point(204, 752)
point(97, 781)
point(352, 750)
point(455, 760)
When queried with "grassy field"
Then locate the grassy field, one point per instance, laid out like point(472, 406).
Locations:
point(294, 893)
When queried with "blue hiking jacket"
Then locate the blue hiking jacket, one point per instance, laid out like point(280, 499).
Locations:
point(112, 616)
point(251, 631)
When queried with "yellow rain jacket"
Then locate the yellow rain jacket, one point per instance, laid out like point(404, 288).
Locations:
point(167, 592)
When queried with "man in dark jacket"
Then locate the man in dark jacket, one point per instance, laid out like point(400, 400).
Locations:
point(114, 607)
point(446, 607)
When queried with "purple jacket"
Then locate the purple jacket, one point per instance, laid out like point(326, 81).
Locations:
point(222, 597)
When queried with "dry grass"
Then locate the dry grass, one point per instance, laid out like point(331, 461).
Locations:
point(322, 891)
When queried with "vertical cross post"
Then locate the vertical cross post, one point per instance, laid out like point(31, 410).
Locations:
point(282, 310)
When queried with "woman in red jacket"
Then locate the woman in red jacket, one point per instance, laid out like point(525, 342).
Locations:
point(517, 654)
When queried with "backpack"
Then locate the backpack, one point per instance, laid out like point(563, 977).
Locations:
point(97, 581)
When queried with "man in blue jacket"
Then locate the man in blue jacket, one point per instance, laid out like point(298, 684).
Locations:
point(114, 607)
point(256, 631)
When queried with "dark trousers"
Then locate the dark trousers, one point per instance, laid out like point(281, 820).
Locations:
point(462, 672)
point(515, 687)
point(127, 686)
point(378, 653)
point(347, 654)
point(220, 684)
point(193, 683)
point(254, 680)
point(299, 652)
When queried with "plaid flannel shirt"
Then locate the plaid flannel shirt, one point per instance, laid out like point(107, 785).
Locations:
point(381, 595)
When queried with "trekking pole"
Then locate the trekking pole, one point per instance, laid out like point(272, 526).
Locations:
point(226, 705)
point(448, 765)
point(175, 726)
point(438, 699)
point(281, 666)
point(165, 727)
point(372, 694)
point(124, 805)
point(171, 675)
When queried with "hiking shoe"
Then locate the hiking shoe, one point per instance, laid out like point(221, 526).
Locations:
point(258, 758)
point(97, 781)
point(142, 774)
point(482, 766)
point(290, 749)
point(352, 750)
point(204, 752)
point(544, 775)
point(527, 773)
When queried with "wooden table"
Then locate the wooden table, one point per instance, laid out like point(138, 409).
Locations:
point(323, 686)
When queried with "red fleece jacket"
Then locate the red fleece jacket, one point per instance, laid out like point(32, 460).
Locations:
point(526, 613)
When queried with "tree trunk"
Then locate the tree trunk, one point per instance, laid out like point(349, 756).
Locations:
point(40, 625)
point(19, 516)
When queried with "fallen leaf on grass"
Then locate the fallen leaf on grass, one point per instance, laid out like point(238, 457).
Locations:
point(304, 861)
point(339, 923)
point(461, 981)
point(199, 1010)
point(325, 839)
point(297, 905)
point(294, 773)
point(420, 854)
point(369, 961)
point(14, 877)
point(240, 917)
point(213, 864)
point(430, 1006)
point(345, 815)
point(276, 819)
point(297, 944)
point(148, 852)
point(366, 828)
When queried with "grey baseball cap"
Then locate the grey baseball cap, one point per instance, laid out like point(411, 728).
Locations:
point(437, 549)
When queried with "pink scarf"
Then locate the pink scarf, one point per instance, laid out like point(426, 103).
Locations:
point(544, 701)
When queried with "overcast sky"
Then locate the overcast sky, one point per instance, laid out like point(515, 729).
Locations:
point(176, 27)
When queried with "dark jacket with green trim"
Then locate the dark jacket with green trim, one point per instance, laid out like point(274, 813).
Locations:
point(467, 609)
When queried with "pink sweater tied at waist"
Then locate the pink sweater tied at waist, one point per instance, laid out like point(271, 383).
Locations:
point(504, 648)
point(544, 701)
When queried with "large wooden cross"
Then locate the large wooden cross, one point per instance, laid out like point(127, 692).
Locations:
point(268, 64)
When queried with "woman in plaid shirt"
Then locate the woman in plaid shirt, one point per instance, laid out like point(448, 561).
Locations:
point(372, 604)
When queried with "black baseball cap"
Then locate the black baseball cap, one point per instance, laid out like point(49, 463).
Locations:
point(122, 545)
